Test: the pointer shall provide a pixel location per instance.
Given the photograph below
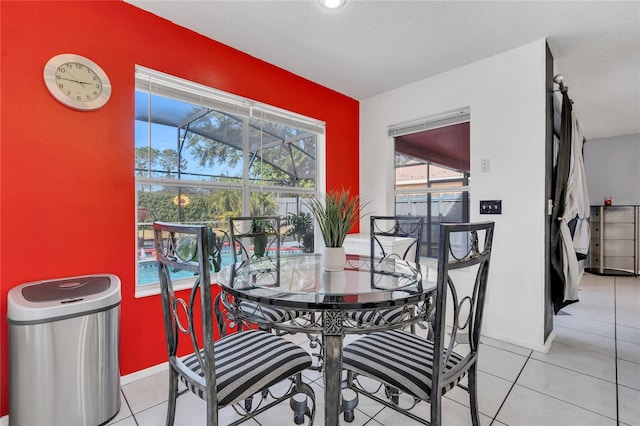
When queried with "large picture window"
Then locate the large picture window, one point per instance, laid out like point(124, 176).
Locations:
point(202, 156)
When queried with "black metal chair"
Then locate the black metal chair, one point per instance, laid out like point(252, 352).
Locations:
point(382, 227)
point(256, 245)
point(396, 226)
point(231, 370)
point(422, 368)
point(257, 242)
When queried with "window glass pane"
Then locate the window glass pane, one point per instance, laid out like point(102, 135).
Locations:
point(281, 155)
point(296, 219)
point(190, 157)
point(424, 188)
point(410, 173)
point(185, 204)
point(213, 144)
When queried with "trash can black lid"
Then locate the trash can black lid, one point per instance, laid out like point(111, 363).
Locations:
point(66, 289)
point(61, 298)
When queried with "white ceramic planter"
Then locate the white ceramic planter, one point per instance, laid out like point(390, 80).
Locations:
point(333, 258)
point(334, 281)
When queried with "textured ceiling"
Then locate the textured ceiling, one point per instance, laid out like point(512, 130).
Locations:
point(370, 47)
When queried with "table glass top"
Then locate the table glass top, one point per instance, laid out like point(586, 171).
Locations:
point(302, 282)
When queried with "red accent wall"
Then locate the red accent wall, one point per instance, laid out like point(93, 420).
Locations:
point(67, 202)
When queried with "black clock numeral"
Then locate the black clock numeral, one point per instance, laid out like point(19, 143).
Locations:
point(62, 70)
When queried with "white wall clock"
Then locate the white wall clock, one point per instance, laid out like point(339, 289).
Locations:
point(77, 82)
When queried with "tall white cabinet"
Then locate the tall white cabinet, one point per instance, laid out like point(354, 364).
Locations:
point(615, 237)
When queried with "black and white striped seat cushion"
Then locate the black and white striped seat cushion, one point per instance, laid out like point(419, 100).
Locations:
point(381, 317)
point(399, 359)
point(247, 362)
point(268, 313)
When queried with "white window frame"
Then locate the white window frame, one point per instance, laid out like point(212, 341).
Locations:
point(180, 89)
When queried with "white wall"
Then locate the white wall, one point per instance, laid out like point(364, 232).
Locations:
point(612, 166)
point(506, 96)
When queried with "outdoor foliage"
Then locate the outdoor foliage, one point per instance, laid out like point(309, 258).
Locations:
point(301, 228)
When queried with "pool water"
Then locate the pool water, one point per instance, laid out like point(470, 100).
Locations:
point(149, 275)
point(148, 270)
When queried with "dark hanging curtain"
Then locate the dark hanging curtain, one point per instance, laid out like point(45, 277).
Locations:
point(561, 177)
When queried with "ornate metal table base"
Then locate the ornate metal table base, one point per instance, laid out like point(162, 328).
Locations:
point(332, 325)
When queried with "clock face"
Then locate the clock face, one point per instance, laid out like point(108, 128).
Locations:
point(77, 82)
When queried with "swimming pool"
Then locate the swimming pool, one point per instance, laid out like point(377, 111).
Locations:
point(148, 269)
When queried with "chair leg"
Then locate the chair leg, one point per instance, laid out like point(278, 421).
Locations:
point(299, 401)
point(173, 396)
point(393, 394)
point(248, 403)
point(348, 406)
point(349, 402)
point(436, 409)
point(473, 394)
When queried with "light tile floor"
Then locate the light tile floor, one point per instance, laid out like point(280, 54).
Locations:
point(591, 376)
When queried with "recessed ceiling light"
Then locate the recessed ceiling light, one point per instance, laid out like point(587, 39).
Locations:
point(333, 4)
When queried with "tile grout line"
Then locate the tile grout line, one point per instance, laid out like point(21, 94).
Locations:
point(567, 402)
point(129, 406)
point(494, 419)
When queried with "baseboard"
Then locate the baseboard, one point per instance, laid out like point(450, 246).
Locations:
point(141, 374)
point(538, 348)
point(549, 342)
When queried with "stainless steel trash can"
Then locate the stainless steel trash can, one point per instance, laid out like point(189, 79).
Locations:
point(63, 351)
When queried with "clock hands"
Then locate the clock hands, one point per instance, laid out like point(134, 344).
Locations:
point(75, 81)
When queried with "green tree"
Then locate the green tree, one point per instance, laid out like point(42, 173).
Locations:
point(153, 159)
point(263, 204)
point(225, 145)
point(170, 163)
point(146, 159)
point(226, 203)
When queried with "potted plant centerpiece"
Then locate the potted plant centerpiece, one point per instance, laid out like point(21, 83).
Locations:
point(336, 215)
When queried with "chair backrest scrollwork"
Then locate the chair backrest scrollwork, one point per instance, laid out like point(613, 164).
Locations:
point(463, 268)
point(397, 226)
point(255, 241)
point(186, 248)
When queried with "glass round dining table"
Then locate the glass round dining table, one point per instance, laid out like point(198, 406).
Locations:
point(295, 293)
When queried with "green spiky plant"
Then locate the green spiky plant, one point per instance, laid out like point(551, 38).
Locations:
point(336, 215)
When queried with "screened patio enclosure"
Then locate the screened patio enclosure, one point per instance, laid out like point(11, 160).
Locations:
point(208, 145)
point(202, 156)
